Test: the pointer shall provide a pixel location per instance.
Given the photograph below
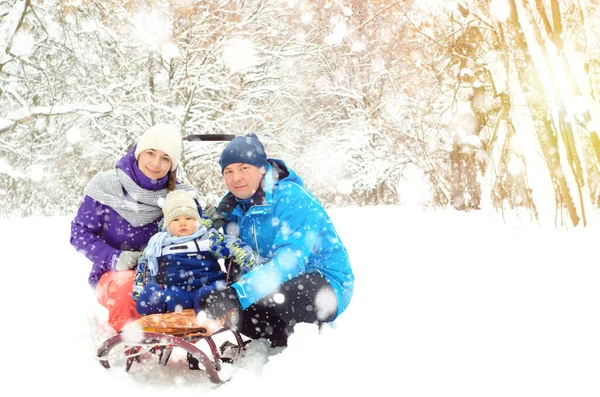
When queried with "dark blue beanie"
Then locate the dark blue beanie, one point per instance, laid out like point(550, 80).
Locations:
point(244, 149)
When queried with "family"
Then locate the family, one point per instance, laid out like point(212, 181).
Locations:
point(154, 249)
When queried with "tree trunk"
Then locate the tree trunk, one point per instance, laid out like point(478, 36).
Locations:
point(540, 112)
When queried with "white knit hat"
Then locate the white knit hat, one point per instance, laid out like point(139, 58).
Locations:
point(177, 203)
point(163, 137)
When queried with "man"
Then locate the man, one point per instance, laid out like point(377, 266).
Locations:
point(306, 274)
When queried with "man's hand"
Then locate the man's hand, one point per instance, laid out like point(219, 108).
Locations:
point(127, 260)
point(218, 218)
point(217, 303)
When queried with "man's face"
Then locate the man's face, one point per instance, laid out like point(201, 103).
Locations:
point(243, 179)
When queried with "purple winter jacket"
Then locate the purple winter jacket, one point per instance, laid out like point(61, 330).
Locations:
point(101, 234)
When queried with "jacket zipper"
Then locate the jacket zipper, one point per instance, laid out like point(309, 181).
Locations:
point(254, 237)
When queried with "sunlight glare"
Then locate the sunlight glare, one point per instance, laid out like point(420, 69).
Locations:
point(169, 51)
point(22, 44)
point(515, 166)
point(500, 10)
point(306, 18)
point(74, 135)
point(344, 186)
point(338, 34)
point(240, 54)
point(36, 173)
point(152, 29)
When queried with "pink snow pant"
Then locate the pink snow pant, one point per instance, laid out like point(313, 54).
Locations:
point(114, 292)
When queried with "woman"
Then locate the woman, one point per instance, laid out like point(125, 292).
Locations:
point(119, 214)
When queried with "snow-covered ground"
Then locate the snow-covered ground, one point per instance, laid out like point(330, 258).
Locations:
point(446, 303)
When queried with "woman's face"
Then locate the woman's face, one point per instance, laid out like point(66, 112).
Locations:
point(155, 164)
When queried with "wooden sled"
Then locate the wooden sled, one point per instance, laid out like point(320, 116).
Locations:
point(160, 333)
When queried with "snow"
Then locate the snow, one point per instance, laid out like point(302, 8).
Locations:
point(9, 27)
point(446, 303)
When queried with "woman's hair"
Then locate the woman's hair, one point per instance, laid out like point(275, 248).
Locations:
point(172, 181)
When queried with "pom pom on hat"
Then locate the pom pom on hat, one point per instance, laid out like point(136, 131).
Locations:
point(163, 137)
point(177, 203)
point(244, 149)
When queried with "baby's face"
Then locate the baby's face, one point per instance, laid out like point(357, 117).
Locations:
point(183, 225)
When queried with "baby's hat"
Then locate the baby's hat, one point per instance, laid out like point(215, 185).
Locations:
point(177, 203)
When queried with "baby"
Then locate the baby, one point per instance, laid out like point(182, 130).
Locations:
point(180, 265)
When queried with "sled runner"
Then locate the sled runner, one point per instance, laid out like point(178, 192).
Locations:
point(160, 333)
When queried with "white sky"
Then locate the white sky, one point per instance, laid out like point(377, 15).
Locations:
point(446, 304)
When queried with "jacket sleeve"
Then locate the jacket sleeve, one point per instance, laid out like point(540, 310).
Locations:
point(299, 217)
point(85, 236)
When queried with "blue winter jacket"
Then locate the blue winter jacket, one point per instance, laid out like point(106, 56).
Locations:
point(291, 229)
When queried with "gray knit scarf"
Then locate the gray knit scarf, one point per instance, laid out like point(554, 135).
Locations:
point(139, 206)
